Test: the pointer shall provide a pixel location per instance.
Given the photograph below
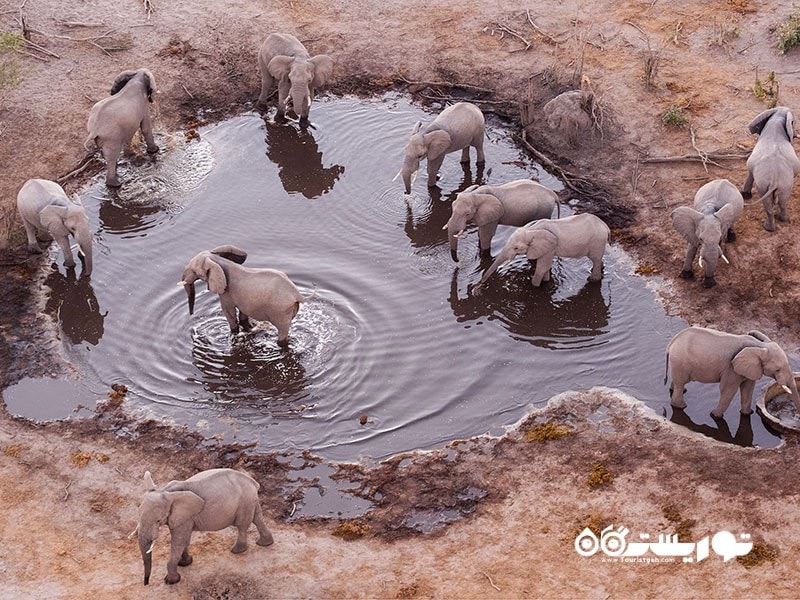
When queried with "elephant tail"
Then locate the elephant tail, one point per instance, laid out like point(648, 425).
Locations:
point(666, 368)
point(90, 145)
point(311, 296)
point(769, 195)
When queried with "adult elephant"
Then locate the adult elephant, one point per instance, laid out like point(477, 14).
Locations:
point(114, 120)
point(264, 294)
point(283, 57)
point(45, 207)
point(514, 203)
point(735, 361)
point(571, 237)
point(456, 128)
point(773, 163)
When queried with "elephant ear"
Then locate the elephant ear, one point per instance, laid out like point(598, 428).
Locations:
point(417, 127)
point(437, 143)
point(149, 84)
point(121, 81)
point(757, 124)
point(149, 485)
point(183, 506)
point(542, 242)
point(471, 188)
point(685, 220)
point(215, 276)
point(52, 219)
point(747, 363)
point(230, 252)
point(725, 215)
point(280, 66)
point(323, 69)
point(789, 125)
point(490, 209)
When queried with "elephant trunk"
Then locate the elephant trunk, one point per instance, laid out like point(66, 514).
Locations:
point(455, 227)
point(146, 548)
point(709, 256)
point(189, 287)
point(410, 166)
point(301, 100)
point(792, 385)
point(501, 259)
point(85, 246)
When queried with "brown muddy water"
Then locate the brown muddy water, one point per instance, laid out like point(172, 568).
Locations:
point(394, 332)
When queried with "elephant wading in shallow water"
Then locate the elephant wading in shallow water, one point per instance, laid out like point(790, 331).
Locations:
point(264, 294)
point(488, 206)
point(773, 163)
point(209, 501)
point(571, 237)
point(717, 205)
point(44, 207)
point(735, 361)
point(456, 128)
point(283, 57)
point(114, 120)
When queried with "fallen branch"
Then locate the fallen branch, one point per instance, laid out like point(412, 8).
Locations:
point(80, 168)
point(539, 30)
point(187, 92)
point(447, 84)
point(695, 158)
point(510, 31)
point(38, 48)
point(66, 491)
point(485, 574)
point(80, 24)
point(476, 100)
point(26, 53)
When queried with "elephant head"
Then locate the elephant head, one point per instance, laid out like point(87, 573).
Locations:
point(469, 206)
point(304, 75)
point(422, 144)
point(144, 75)
point(204, 266)
point(533, 243)
point(770, 360)
point(705, 231)
point(63, 221)
point(782, 123)
point(158, 508)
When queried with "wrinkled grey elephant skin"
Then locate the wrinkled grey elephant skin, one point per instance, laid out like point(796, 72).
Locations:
point(717, 205)
point(735, 361)
point(208, 501)
point(45, 208)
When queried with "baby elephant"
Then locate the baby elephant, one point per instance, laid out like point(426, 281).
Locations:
point(488, 206)
point(456, 128)
point(717, 205)
point(114, 120)
point(571, 237)
point(735, 361)
point(209, 501)
point(264, 294)
point(45, 207)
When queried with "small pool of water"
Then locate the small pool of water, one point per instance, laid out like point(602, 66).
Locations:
point(394, 333)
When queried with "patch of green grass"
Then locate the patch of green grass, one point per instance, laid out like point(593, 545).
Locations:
point(788, 33)
point(674, 116)
point(760, 554)
point(9, 65)
point(599, 476)
point(767, 90)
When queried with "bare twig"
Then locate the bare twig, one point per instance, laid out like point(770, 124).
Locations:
point(37, 47)
point(538, 30)
point(695, 158)
point(187, 92)
point(475, 100)
point(485, 574)
point(506, 29)
point(26, 53)
point(66, 491)
point(81, 24)
point(79, 168)
point(447, 84)
point(703, 156)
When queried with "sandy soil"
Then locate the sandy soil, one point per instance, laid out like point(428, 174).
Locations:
point(69, 492)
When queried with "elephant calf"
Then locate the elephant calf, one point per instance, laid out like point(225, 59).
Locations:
point(114, 120)
point(208, 501)
point(488, 206)
point(44, 207)
point(735, 361)
point(717, 205)
point(571, 237)
point(264, 294)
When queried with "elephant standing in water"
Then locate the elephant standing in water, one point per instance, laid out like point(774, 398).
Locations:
point(283, 57)
point(571, 237)
point(264, 294)
point(114, 120)
point(735, 361)
point(45, 207)
point(773, 163)
point(208, 501)
point(717, 205)
point(456, 128)
point(488, 206)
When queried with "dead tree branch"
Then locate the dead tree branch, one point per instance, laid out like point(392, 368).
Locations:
point(447, 84)
point(695, 158)
point(505, 29)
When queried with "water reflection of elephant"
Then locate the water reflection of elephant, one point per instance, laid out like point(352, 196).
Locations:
point(249, 371)
point(721, 433)
point(534, 316)
point(73, 303)
point(424, 228)
point(299, 160)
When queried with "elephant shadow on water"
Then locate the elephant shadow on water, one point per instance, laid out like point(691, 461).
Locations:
point(425, 230)
point(534, 315)
point(299, 159)
point(73, 303)
point(722, 432)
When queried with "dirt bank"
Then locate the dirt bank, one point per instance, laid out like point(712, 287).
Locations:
point(69, 492)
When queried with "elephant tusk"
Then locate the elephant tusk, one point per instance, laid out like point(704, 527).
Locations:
point(181, 283)
point(700, 261)
point(400, 172)
point(80, 251)
point(150, 549)
point(459, 234)
point(786, 389)
point(445, 226)
point(725, 258)
point(308, 99)
point(414, 177)
point(133, 533)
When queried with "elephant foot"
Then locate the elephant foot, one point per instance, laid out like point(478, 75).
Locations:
point(485, 254)
point(34, 249)
point(153, 150)
point(687, 274)
point(783, 218)
point(245, 325)
point(284, 343)
point(678, 404)
point(731, 236)
point(717, 417)
point(746, 414)
point(185, 560)
point(280, 118)
point(239, 547)
point(746, 195)
point(769, 226)
point(115, 183)
point(304, 122)
point(172, 579)
point(265, 540)
point(709, 282)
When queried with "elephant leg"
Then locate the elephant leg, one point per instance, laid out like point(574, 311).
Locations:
point(542, 272)
point(283, 93)
point(63, 242)
point(686, 271)
point(111, 153)
point(181, 535)
point(33, 244)
point(186, 558)
point(731, 237)
point(433, 169)
point(727, 390)
point(769, 223)
point(283, 334)
point(266, 87)
point(485, 235)
point(677, 389)
point(265, 537)
point(147, 133)
point(478, 143)
point(597, 267)
point(746, 396)
point(229, 311)
point(465, 155)
point(783, 200)
point(747, 188)
point(244, 322)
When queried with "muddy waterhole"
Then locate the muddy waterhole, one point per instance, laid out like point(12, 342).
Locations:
point(395, 351)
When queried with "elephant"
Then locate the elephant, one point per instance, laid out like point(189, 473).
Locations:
point(208, 501)
point(264, 294)
point(514, 203)
point(717, 205)
point(571, 237)
point(283, 57)
point(114, 120)
point(773, 163)
point(456, 128)
point(44, 206)
point(735, 361)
